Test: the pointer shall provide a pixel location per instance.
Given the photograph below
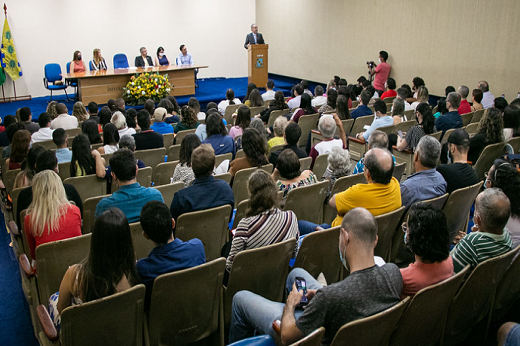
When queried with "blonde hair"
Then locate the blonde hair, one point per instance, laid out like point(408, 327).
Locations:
point(49, 202)
point(422, 94)
point(96, 55)
point(79, 111)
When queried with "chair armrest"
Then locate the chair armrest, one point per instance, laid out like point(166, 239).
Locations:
point(356, 140)
point(46, 323)
point(406, 151)
point(13, 228)
point(26, 265)
point(316, 132)
point(46, 83)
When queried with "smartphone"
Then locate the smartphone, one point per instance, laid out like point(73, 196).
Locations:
point(400, 134)
point(301, 285)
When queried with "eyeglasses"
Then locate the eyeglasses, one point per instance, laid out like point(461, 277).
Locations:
point(404, 226)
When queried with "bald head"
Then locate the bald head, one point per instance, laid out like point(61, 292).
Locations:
point(494, 209)
point(380, 165)
point(362, 224)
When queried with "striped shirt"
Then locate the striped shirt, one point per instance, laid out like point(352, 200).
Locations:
point(270, 227)
point(477, 247)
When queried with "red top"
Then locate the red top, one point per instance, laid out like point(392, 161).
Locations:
point(383, 70)
point(464, 107)
point(14, 165)
point(69, 227)
point(419, 275)
point(388, 93)
point(78, 66)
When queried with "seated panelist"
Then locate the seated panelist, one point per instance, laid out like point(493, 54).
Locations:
point(160, 58)
point(143, 60)
point(98, 62)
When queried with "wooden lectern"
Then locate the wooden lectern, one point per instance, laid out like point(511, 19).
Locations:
point(257, 69)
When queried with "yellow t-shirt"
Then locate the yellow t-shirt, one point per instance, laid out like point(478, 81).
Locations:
point(376, 198)
point(274, 142)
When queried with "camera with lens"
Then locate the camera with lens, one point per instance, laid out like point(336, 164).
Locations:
point(370, 64)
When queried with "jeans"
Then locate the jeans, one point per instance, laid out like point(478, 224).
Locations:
point(513, 337)
point(307, 227)
point(251, 312)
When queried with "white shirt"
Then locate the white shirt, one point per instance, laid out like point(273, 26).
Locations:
point(43, 134)
point(325, 147)
point(268, 95)
point(224, 103)
point(488, 100)
point(295, 102)
point(201, 116)
point(319, 101)
point(65, 122)
point(126, 131)
point(110, 149)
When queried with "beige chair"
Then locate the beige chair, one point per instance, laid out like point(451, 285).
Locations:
point(307, 201)
point(437, 135)
point(168, 140)
point(228, 114)
point(210, 226)
point(404, 157)
point(144, 178)
point(409, 114)
point(274, 115)
point(256, 110)
point(387, 129)
point(240, 182)
point(266, 277)
point(47, 145)
point(341, 184)
point(9, 178)
point(64, 170)
point(515, 144)
point(305, 163)
point(355, 104)
point(486, 159)
point(88, 185)
point(73, 132)
point(446, 135)
point(163, 172)
point(89, 212)
point(386, 227)
point(313, 339)
point(404, 126)
point(466, 118)
point(320, 165)
point(224, 176)
point(347, 125)
point(54, 258)
point(307, 123)
point(357, 147)
point(96, 146)
point(151, 157)
point(14, 197)
point(475, 298)
point(142, 246)
point(389, 100)
point(276, 147)
point(457, 208)
point(113, 320)
point(240, 153)
point(389, 107)
point(30, 290)
point(372, 330)
point(508, 289)
point(477, 115)
point(427, 313)
point(197, 293)
point(318, 254)
point(174, 152)
point(471, 129)
point(399, 171)
point(242, 208)
point(181, 134)
point(360, 123)
point(169, 190)
point(220, 158)
point(107, 158)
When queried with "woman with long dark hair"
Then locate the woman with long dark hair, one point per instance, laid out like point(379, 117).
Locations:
point(490, 130)
point(332, 98)
point(242, 122)
point(425, 126)
point(264, 223)
point(255, 99)
point(306, 108)
point(24, 178)
point(278, 104)
point(90, 129)
point(85, 160)
point(110, 139)
point(217, 134)
point(511, 122)
point(342, 107)
point(19, 149)
point(108, 269)
point(183, 171)
point(288, 174)
point(255, 152)
point(250, 88)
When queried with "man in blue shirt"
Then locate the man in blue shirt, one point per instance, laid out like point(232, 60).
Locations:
point(131, 197)
point(59, 137)
point(159, 125)
point(169, 254)
point(205, 192)
point(426, 182)
point(184, 58)
point(377, 139)
point(362, 109)
point(381, 120)
point(452, 119)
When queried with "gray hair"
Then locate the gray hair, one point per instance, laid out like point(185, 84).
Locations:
point(128, 142)
point(454, 99)
point(398, 108)
point(258, 124)
point(339, 162)
point(119, 120)
point(327, 126)
point(494, 209)
point(429, 151)
point(464, 91)
point(378, 139)
point(318, 91)
point(141, 49)
point(279, 126)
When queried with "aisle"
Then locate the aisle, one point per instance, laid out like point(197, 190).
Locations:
point(14, 311)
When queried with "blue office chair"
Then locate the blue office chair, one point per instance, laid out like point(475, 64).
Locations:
point(90, 64)
point(53, 75)
point(120, 61)
point(73, 82)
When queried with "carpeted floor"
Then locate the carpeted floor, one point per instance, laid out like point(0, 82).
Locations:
point(14, 311)
point(209, 90)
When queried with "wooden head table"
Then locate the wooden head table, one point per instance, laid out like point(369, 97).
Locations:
point(100, 86)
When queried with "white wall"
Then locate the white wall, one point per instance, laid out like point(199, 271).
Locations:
point(51, 30)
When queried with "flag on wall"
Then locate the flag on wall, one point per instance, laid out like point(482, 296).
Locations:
point(8, 57)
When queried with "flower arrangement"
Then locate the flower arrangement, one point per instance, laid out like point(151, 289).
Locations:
point(144, 86)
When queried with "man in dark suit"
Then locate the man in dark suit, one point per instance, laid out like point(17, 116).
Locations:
point(143, 60)
point(254, 37)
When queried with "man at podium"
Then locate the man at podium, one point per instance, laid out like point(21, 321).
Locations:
point(254, 37)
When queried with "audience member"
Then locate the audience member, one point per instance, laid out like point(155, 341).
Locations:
point(269, 93)
point(10, 131)
point(110, 139)
point(183, 171)
point(291, 136)
point(250, 88)
point(20, 149)
point(390, 89)
point(381, 119)
point(425, 126)
point(338, 165)
point(362, 109)
point(295, 102)
point(381, 72)
point(254, 150)
point(159, 125)
point(398, 111)
point(91, 129)
point(377, 139)
point(92, 109)
point(44, 133)
point(500, 103)
point(402, 93)
point(448, 90)
point(147, 138)
point(327, 126)
point(476, 98)
point(487, 97)
point(441, 108)
point(305, 108)
point(205, 192)
point(79, 112)
point(230, 100)
point(368, 289)
point(330, 105)
point(511, 122)
point(119, 120)
point(489, 131)
point(242, 122)
point(61, 140)
point(426, 182)
point(188, 120)
point(278, 130)
point(458, 173)
point(452, 119)
point(26, 119)
point(288, 174)
point(423, 96)
point(488, 238)
point(305, 86)
point(195, 104)
point(217, 136)
point(172, 111)
point(84, 159)
point(417, 82)
point(24, 178)
point(319, 100)
point(255, 99)
point(426, 234)
point(131, 197)
point(278, 104)
point(52, 110)
point(64, 120)
point(143, 60)
point(8, 120)
point(105, 114)
point(464, 107)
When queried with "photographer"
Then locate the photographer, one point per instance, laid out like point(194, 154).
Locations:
point(381, 72)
